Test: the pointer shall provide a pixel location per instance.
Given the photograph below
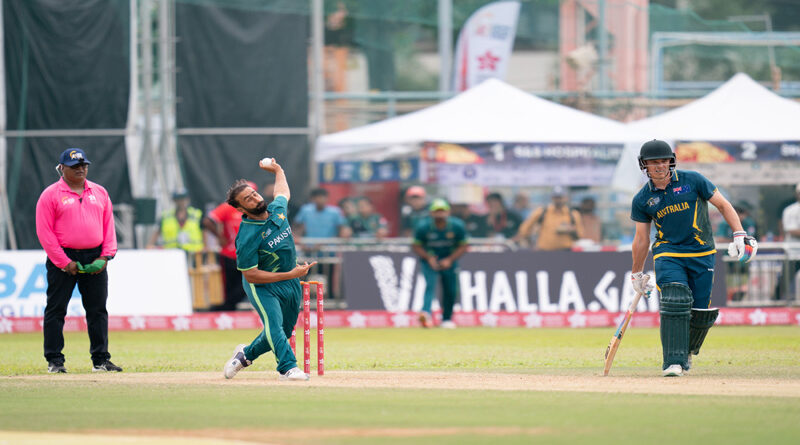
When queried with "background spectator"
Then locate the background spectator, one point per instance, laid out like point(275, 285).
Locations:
point(348, 207)
point(522, 204)
point(558, 225)
point(367, 223)
point(317, 219)
point(501, 221)
point(724, 232)
point(591, 223)
point(790, 222)
point(790, 219)
point(475, 225)
point(179, 227)
point(413, 210)
point(223, 222)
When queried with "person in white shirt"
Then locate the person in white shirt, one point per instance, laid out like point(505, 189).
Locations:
point(791, 219)
point(790, 222)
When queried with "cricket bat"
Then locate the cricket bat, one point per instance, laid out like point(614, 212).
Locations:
point(611, 350)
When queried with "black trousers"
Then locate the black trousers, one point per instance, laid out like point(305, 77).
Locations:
point(94, 293)
point(234, 292)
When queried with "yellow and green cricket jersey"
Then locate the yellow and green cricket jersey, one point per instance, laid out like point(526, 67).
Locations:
point(680, 215)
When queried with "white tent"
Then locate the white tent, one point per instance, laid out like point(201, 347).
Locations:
point(740, 110)
point(490, 112)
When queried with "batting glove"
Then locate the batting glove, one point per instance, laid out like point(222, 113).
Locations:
point(641, 283)
point(743, 247)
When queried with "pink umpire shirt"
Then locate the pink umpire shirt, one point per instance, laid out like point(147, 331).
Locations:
point(66, 219)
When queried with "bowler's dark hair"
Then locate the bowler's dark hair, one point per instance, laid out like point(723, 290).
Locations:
point(234, 191)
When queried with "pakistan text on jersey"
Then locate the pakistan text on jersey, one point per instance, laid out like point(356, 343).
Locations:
point(280, 237)
point(672, 209)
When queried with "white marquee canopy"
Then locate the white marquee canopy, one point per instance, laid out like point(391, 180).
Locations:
point(490, 112)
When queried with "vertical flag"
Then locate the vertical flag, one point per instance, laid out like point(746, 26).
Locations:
point(484, 44)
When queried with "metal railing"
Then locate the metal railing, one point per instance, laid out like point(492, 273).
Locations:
point(772, 278)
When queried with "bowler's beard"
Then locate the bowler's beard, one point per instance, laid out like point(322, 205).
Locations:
point(259, 209)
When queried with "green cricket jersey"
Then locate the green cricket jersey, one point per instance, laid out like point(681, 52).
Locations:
point(267, 244)
point(441, 243)
point(680, 215)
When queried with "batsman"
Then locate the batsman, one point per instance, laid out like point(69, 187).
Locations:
point(676, 201)
point(265, 254)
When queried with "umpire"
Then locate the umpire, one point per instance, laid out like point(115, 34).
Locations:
point(75, 226)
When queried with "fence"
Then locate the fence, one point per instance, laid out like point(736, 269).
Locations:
point(772, 278)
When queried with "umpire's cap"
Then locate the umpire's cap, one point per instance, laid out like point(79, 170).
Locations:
point(72, 156)
point(656, 149)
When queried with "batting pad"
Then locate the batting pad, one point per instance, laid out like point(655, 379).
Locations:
point(676, 305)
point(702, 320)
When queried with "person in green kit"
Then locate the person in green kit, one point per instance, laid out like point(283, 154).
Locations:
point(265, 254)
point(440, 240)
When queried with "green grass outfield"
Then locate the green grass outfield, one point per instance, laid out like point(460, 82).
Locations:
point(280, 412)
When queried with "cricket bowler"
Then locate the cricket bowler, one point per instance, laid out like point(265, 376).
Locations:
point(676, 201)
point(265, 254)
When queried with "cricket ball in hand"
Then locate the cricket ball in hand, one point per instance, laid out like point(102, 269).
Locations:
point(266, 162)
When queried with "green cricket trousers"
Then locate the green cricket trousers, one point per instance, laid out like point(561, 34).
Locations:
point(278, 304)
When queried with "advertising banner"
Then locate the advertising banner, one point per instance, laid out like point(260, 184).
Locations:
point(727, 151)
point(541, 282)
point(368, 171)
point(140, 282)
point(520, 164)
point(729, 163)
point(484, 45)
point(220, 321)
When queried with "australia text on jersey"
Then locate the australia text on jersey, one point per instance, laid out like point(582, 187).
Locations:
point(672, 209)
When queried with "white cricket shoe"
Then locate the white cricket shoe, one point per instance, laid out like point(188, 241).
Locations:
point(448, 324)
point(295, 374)
point(236, 363)
point(673, 371)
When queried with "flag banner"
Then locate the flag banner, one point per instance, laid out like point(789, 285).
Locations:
point(484, 45)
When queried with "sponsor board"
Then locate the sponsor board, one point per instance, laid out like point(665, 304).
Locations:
point(140, 282)
point(543, 282)
point(384, 319)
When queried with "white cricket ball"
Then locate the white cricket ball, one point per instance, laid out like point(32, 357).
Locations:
point(266, 162)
